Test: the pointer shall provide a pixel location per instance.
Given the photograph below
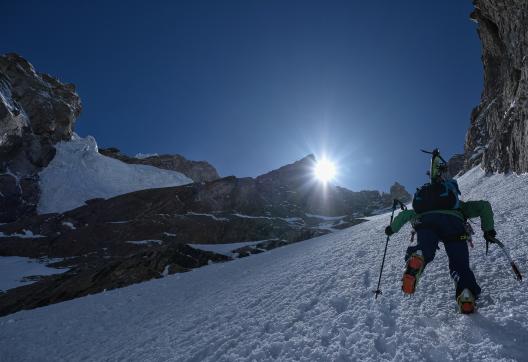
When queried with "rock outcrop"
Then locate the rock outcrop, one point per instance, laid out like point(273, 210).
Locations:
point(455, 164)
point(198, 171)
point(293, 188)
point(137, 236)
point(498, 136)
point(36, 111)
point(91, 277)
point(398, 191)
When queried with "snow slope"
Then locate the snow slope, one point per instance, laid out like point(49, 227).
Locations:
point(15, 270)
point(310, 301)
point(79, 172)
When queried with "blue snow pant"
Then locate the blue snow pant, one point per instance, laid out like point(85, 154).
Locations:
point(437, 227)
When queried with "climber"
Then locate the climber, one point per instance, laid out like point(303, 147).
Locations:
point(439, 215)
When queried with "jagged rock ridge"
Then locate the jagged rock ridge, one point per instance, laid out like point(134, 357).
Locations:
point(198, 171)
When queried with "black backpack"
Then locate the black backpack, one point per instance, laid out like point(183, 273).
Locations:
point(442, 195)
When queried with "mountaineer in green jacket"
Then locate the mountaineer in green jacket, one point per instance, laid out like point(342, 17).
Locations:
point(439, 215)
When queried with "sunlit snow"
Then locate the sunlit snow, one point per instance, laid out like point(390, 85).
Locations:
point(309, 301)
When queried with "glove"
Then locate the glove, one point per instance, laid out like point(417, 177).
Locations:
point(388, 231)
point(489, 235)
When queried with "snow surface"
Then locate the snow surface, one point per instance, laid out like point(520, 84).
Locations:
point(78, 172)
point(26, 234)
point(13, 270)
point(214, 217)
point(327, 218)
point(224, 249)
point(145, 242)
point(142, 156)
point(309, 301)
point(69, 225)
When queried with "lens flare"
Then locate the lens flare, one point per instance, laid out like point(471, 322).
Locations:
point(324, 170)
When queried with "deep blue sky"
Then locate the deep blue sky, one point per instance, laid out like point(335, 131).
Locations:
point(252, 85)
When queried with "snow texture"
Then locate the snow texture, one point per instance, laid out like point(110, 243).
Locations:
point(69, 225)
point(26, 234)
point(78, 172)
point(309, 301)
point(224, 249)
point(212, 216)
point(142, 156)
point(327, 218)
point(145, 242)
point(14, 270)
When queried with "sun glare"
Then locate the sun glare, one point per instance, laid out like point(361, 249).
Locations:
point(324, 170)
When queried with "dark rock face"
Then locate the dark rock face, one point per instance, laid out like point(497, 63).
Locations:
point(292, 188)
point(36, 111)
point(455, 164)
point(198, 171)
point(114, 273)
point(135, 237)
point(138, 236)
point(399, 192)
point(498, 136)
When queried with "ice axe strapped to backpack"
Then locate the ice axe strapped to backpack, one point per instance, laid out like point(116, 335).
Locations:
point(438, 165)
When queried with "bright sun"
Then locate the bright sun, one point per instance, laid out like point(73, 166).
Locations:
point(324, 170)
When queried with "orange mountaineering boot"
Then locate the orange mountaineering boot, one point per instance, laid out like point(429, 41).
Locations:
point(412, 273)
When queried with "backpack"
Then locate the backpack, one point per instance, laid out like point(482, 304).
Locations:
point(442, 195)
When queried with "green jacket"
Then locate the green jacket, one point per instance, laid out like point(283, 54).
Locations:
point(467, 210)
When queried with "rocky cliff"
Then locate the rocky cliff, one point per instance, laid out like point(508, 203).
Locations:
point(498, 135)
point(36, 111)
point(198, 171)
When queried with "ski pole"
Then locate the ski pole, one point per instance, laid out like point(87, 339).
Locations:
point(394, 204)
point(516, 271)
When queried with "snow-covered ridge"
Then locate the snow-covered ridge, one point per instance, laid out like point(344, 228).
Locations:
point(79, 173)
point(309, 301)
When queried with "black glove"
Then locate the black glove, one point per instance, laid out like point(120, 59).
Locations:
point(388, 231)
point(490, 235)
